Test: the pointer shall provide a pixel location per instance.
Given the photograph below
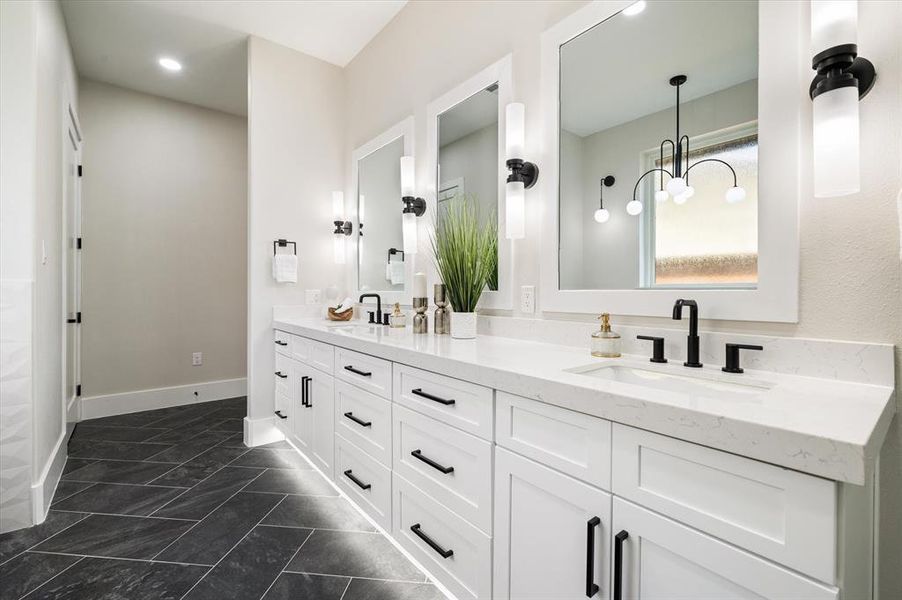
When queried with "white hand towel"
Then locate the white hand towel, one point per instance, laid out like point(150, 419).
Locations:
point(285, 268)
point(397, 272)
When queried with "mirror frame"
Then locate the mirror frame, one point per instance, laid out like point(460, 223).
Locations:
point(404, 130)
point(502, 73)
point(782, 102)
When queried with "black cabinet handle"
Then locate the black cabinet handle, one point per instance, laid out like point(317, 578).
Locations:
point(591, 586)
point(419, 533)
point(281, 343)
point(618, 564)
point(350, 475)
point(281, 375)
point(307, 392)
point(280, 415)
point(419, 392)
point(417, 454)
point(358, 371)
point(304, 390)
point(360, 422)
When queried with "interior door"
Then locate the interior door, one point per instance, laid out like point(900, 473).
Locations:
point(552, 533)
point(321, 402)
point(72, 260)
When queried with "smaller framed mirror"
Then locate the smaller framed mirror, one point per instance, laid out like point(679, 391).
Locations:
point(380, 264)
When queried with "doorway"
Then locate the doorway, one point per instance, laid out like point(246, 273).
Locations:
point(72, 244)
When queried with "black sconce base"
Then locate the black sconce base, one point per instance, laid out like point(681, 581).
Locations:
point(343, 227)
point(415, 205)
point(840, 66)
point(526, 172)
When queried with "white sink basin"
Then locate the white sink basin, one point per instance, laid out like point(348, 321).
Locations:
point(692, 382)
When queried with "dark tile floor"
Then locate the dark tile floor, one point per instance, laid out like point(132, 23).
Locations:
point(171, 504)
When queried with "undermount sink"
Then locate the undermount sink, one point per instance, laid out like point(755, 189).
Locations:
point(694, 383)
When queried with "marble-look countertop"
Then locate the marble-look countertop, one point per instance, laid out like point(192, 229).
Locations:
point(825, 427)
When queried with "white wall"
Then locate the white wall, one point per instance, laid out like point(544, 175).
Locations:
point(165, 228)
point(474, 158)
point(851, 276)
point(296, 157)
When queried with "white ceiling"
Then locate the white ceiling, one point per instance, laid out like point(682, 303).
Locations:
point(619, 70)
point(120, 41)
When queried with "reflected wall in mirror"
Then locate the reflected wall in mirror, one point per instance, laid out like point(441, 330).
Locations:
point(379, 241)
point(618, 105)
point(468, 157)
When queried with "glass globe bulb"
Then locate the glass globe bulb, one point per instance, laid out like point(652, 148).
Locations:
point(676, 185)
point(602, 215)
point(661, 196)
point(634, 207)
point(680, 199)
point(688, 192)
point(735, 194)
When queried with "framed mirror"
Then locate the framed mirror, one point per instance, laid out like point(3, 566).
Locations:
point(465, 141)
point(673, 173)
point(380, 264)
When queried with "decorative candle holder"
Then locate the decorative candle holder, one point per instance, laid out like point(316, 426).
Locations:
point(442, 320)
point(420, 320)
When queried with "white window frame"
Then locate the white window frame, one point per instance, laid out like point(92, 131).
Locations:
point(782, 95)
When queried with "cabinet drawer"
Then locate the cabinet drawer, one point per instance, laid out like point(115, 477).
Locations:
point(365, 419)
point(572, 442)
point(282, 342)
point(283, 375)
point(367, 372)
point(364, 480)
point(451, 466)
point(459, 403)
point(452, 550)
point(783, 515)
point(313, 353)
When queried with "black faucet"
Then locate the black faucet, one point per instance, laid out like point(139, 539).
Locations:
point(692, 340)
point(378, 307)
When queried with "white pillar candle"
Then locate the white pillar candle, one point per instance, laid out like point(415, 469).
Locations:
point(419, 285)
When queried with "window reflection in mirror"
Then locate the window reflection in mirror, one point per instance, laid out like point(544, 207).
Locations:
point(468, 156)
point(379, 211)
point(618, 106)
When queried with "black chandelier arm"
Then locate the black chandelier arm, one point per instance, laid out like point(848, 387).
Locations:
point(638, 181)
point(686, 138)
point(672, 156)
point(717, 160)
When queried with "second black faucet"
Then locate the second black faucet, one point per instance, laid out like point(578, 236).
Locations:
point(692, 341)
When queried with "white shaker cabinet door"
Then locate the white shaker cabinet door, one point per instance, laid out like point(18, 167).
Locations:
point(552, 533)
point(320, 406)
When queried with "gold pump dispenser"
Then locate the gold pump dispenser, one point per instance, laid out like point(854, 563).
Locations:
point(605, 342)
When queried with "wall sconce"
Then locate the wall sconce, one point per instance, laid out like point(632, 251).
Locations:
point(413, 207)
point(342, 228)
point(602, 214)
point(843, 78)
point(523, 175)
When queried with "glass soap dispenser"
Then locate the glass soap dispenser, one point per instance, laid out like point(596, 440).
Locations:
point(606, 343)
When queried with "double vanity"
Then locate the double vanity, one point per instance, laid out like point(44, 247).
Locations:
point(518, 469)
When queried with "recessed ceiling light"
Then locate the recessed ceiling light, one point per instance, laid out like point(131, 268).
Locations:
point(170, 64)
point(634, 9)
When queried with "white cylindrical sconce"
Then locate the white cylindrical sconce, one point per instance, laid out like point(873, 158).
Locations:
point(409, 232)
point(515, 133)
point(836, 148)
point(408, 176)
point(523, 174)
point(343, 228)
point(515, 211)
point(833, 22)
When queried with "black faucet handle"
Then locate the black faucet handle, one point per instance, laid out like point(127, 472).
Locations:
point(732, 356)
point(657, 348)
point(372, 316)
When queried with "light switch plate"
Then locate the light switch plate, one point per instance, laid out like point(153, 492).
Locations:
point(314, 296)
point(528, 299)
point(197, 359)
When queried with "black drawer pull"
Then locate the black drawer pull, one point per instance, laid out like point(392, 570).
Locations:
point(618, 563)
point(350, 475)
point(419, 533)
point(281, 343)
point(358, 371)
point(304, 391)
point(422, 394)
point(306, 385)
point(417, 454)
point(360, 422)
point(282, 375)
point(591, 586)
point(280, 415)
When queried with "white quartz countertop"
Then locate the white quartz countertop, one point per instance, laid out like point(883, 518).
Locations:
point(824, 427)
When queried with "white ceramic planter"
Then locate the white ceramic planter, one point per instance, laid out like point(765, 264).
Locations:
point(463, 325)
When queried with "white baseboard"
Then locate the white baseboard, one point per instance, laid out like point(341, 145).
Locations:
point(93, 407)
point(43, 489)
point(261, 431)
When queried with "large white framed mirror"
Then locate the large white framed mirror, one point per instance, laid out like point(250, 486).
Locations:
point(672, 169)
point(465, 141)
point(380, 264)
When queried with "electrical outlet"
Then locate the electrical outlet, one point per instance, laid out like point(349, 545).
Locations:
point(197, 359)
point(314, 296)
point(527, 299)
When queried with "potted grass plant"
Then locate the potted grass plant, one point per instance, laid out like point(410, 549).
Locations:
point(464, 248)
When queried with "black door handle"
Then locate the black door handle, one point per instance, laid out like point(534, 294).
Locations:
point(618, 564)
point(419, 533)
point(280, 415)
point(350, 475)
point(417, 454)
point(281, 343)
point(358, 371)
point(422, 394)
point(281, 375)
point(360, 422)
point(591, 586)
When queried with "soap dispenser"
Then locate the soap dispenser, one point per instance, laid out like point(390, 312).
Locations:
point(606, 343)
